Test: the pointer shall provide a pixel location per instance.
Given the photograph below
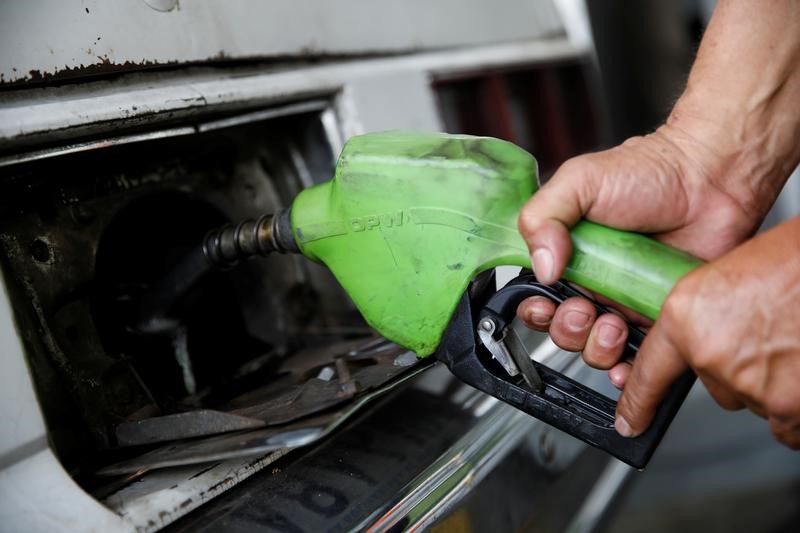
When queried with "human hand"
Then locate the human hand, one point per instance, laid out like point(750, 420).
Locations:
point(663, 184)
point(702, 183)
point(735, 322)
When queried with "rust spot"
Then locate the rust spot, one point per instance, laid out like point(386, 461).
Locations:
point(255, 462)
point(103, 67)
point(185, 503)
point(227, 481)
point(35, 75)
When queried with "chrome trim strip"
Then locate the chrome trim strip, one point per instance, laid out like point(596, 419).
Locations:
point(436, 490)
point(228, 122)
point(597, 502)
point(501, 428)
point(46, 153)
point(256, 116)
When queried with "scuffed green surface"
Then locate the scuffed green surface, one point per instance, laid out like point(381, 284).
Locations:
point(627, 267)
point(410, 218)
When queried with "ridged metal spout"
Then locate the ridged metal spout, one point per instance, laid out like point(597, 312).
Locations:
point(227, 246)
point(221, 248)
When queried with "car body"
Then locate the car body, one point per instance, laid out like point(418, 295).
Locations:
point(127, 129)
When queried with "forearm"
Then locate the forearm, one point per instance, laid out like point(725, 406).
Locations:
point(742, 99)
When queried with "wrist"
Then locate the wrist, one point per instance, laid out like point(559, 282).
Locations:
point(741, 99)
point(748, 155)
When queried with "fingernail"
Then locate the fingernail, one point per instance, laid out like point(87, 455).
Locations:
point(576, 320)
point(539, 316)
point(608, 335)
point(542, 260)
point(622, 427)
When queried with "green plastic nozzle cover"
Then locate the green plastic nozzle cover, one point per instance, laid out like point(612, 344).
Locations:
point(410, 218)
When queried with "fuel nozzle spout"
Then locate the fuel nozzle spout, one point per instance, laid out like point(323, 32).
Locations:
point(227, 246)
point(222, 248)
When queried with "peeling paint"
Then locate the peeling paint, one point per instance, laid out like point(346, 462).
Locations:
point(107, 67)
point(104, 67)
point(195, 34)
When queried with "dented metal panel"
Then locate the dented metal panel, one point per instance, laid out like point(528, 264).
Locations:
point(46, 40)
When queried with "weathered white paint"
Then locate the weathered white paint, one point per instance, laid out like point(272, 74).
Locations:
point(43, 37)
point(103, 106)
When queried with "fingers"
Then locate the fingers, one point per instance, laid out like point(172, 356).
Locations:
point(551, 248)
point(577, 328)
point(546, 217)
point(537, 312)
point(572, 323)
point(619, 374)
point(657, 365)
point(606, 342)
point(574, 326)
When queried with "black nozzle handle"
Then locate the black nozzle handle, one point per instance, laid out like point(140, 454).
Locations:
point(563, 403)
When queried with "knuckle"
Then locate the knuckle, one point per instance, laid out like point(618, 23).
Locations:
point(746, 383)
point(679, 300)
point(726, 401)
point(703, 362)
point(528, 223)
point(581, 304)
point(782, 407)
point(678, 320)
point(572, 166)
point(729, 404)
point(634, 142)
point(602, 351)
point(598, 358)
point(787, 435)
point(568, 342)
point(536, 312)
point(710, 360)
point(578, 173)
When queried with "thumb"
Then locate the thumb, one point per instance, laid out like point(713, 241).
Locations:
point(657, 365)
point(546, 218)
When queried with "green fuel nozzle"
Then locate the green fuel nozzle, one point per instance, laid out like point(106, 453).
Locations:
point(410, 218)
